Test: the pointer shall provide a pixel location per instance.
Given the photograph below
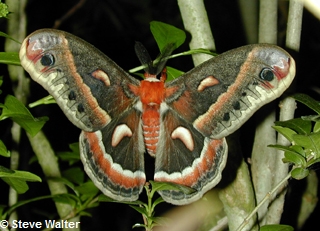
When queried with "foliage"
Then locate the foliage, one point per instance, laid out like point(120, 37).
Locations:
point(304, 135)
point(17, 179)
point(3, 10)
point(13, 109)
point(147, 210)
point(17, 112)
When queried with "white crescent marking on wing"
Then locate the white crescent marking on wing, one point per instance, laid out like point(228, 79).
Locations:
point(185, 136)
point(119, 133)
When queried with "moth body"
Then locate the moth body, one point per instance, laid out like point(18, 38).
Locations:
point(151, 96)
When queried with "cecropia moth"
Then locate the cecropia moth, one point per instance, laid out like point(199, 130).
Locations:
point(182, 123)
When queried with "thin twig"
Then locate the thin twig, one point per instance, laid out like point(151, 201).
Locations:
point(74, 9)
point(266, 198)
point(221, 224)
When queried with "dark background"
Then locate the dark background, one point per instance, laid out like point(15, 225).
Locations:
point(113, 27)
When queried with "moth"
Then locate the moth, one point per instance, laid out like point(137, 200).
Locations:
point(182, 123)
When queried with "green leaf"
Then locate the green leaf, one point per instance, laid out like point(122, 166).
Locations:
point(20, 186)
point(3, 213)
point(17, 179)
point(104, 198)
point(3, 150)
point(308, 101)
point(4, 170)
point(298, 149)
point(72, 156)
point(294, 158)
point(15, 110)
point(141, 210)
point(311, 141)
point(67, 198)
point(291, 155)
point(10, 58)
point(160, 221)
point(166, 34)
point(316, 127)
point(157, 201)
point(33, 159)
point(87, 190)
point(158, 186)
point(63, 181)
point(298, 125)
point(299, 173)
point(173, 73)
point(276, 228)
point(139, 226)
point(85, 213)
point(286, 132)
point(75, 175)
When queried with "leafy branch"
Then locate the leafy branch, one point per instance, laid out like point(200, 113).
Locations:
point(304, 135)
